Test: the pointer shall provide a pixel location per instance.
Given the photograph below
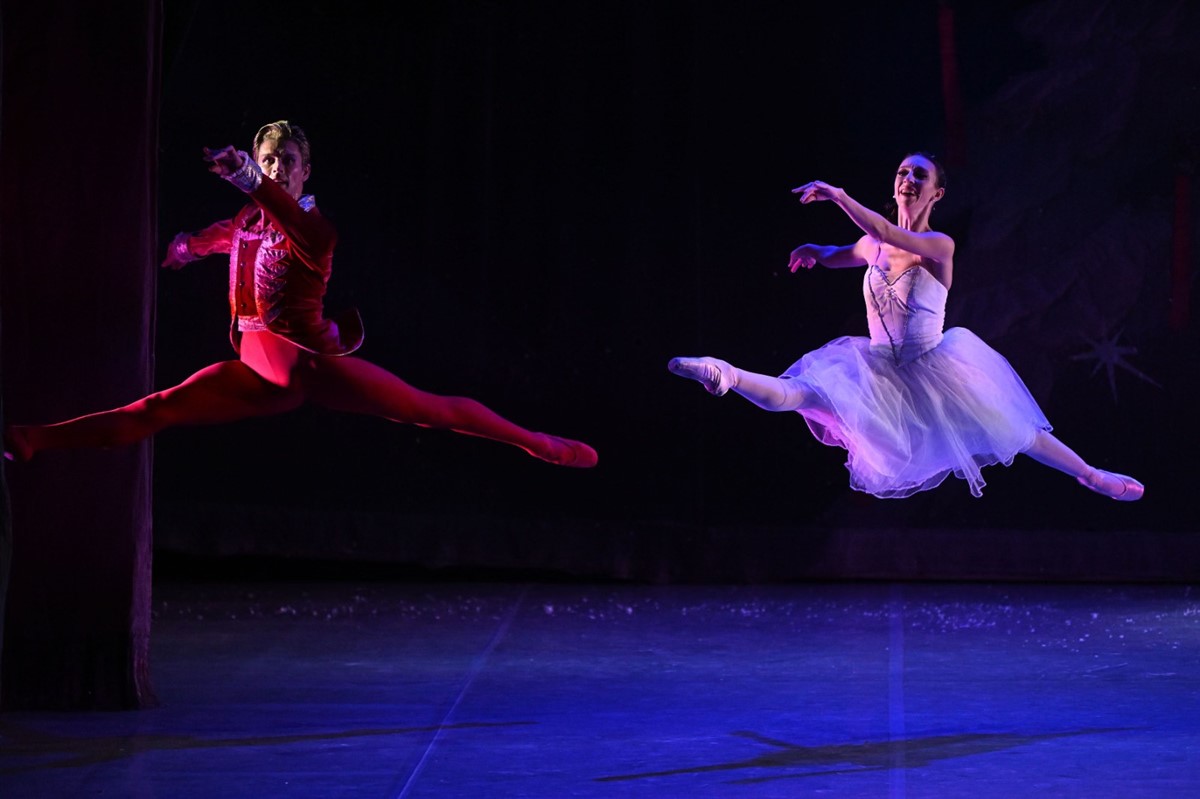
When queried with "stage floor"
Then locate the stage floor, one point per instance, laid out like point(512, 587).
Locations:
point(380, 689)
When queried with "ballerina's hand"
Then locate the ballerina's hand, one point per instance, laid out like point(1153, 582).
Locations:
point(803, 256)
point(224, 161)
point(815, 191)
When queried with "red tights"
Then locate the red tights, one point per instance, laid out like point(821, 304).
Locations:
point(274, 376)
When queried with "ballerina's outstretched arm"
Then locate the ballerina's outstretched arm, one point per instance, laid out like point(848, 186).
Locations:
point(928, 243)
point(806, 256)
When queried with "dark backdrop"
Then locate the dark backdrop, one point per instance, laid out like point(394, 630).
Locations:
point(540, 204)
point(78, 182)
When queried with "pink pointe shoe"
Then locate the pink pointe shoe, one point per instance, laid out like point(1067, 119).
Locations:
point(1112, 485)
point(715, 375)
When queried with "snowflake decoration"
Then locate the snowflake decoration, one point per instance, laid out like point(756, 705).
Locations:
point(1109, 353)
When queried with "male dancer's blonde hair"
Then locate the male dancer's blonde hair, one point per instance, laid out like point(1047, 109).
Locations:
point(280, 132)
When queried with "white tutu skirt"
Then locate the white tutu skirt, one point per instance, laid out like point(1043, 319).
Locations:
point(953, 410)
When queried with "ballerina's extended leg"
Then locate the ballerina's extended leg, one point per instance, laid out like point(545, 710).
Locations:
point(1047, 449)
point(719, 377)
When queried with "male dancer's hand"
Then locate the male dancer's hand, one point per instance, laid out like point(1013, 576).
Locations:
point(223, 162)
point(178, 254)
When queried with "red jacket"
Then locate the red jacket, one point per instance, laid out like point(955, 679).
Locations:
point(280, 260)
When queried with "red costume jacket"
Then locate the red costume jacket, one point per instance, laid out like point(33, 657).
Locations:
point(280, 260)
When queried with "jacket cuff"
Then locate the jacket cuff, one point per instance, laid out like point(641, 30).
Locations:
point(249, 176)
point(180, 249)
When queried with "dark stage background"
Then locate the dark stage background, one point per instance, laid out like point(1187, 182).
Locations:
point(539, 204)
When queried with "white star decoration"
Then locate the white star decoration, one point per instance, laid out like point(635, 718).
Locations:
point(1107, 352)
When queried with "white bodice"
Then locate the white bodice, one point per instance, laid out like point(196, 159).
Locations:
point(905, 315)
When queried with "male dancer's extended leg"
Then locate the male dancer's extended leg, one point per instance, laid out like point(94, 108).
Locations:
point(352, 384)
point(223, 392)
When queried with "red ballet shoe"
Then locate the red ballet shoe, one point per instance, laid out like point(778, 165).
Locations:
point(567, 452)
point(1114, 486)
point(16, 444)
point(715, 375)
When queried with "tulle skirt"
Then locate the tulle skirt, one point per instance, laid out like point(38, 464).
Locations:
point(953, 410)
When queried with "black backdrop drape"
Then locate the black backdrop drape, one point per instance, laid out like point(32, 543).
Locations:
point(78, 199)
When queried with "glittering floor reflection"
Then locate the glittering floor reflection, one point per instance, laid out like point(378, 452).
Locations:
point(388, 689)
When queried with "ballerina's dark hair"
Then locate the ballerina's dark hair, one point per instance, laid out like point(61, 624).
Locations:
point(939, 173)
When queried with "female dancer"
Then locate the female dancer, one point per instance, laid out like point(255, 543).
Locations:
point(281, 253)
point(911, 404)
